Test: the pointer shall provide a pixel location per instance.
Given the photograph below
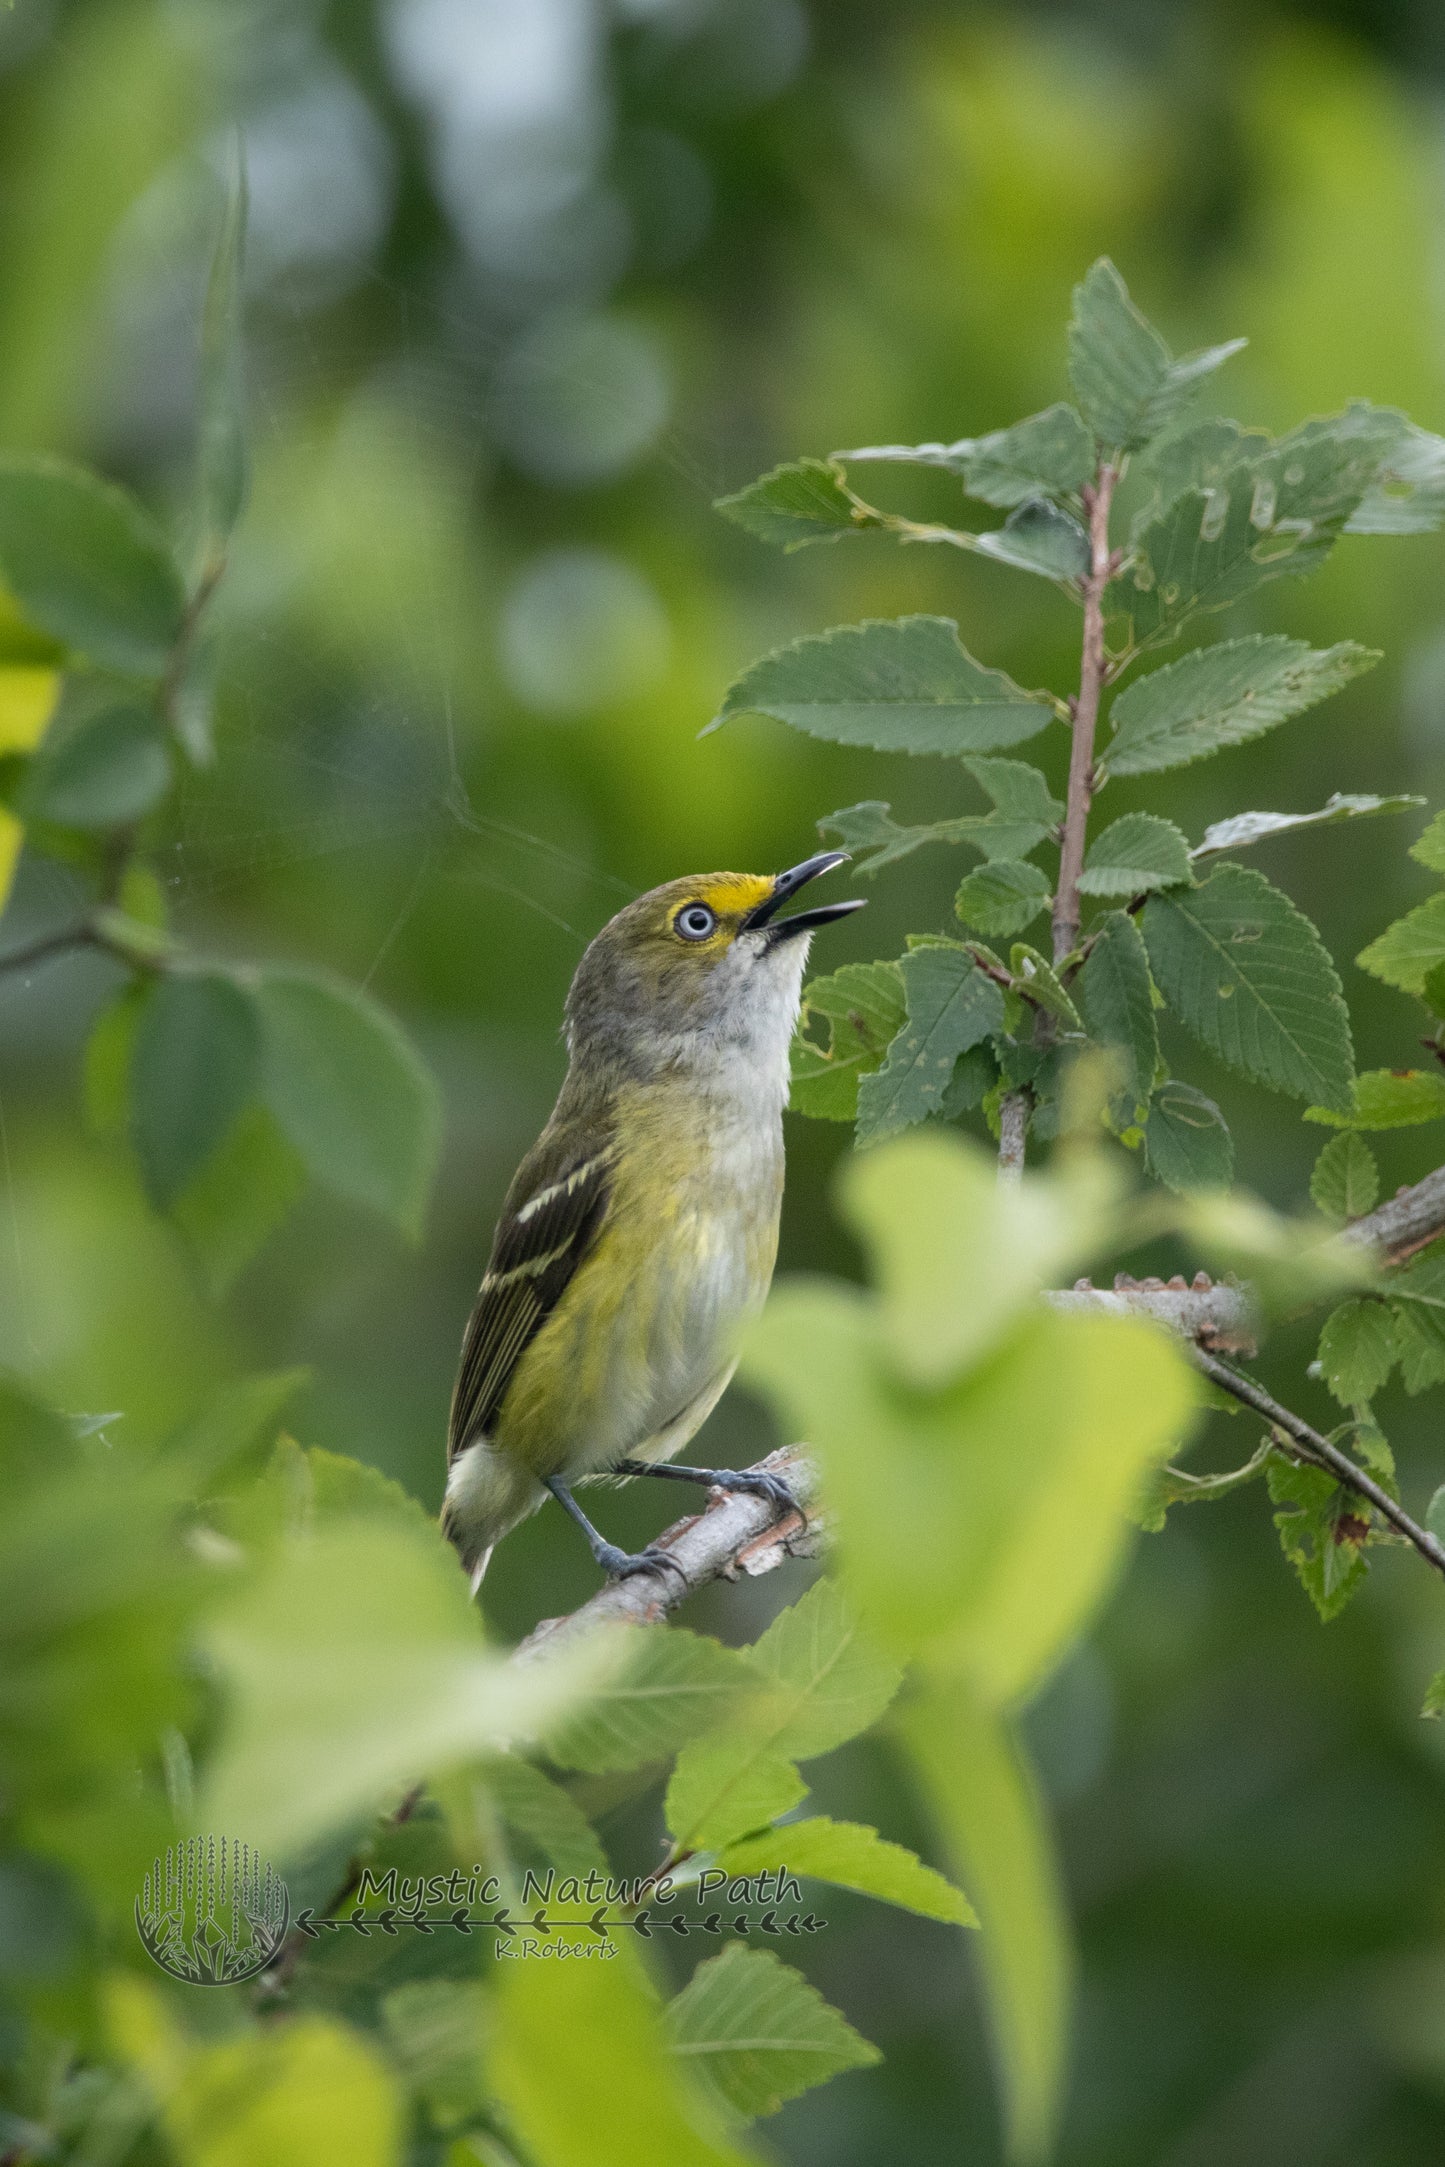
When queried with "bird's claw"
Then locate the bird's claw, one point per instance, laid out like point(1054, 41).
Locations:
point(757, 1482)
point(622, 1564)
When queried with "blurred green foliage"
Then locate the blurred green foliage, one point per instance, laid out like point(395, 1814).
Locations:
point(525, 294)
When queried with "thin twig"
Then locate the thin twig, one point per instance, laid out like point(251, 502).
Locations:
point(1296, 1437)
point(1085, 708)
point(50, 944)
point(1013, 1128)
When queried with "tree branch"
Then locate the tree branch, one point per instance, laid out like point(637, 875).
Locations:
point(1212, 1313)
point(1409, 1220)
point(1085, 707)
point(1297, 1438)
point(1013, 1128)
point(735, 1533)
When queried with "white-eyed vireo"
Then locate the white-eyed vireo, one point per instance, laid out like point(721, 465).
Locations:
point(640, 1232)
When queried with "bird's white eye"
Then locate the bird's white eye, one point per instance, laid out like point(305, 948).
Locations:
point(695, 922)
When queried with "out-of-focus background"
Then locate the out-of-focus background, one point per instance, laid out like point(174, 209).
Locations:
point(531, 282)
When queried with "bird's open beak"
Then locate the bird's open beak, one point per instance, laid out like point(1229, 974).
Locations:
point(787, 885)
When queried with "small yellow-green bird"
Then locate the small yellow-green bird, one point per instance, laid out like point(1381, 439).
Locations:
point(640, 1232)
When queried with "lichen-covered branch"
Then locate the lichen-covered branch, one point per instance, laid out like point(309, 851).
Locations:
point(1213, 1313)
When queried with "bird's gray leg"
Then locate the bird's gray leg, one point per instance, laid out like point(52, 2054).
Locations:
point(754, 1480)
point(617, 1564)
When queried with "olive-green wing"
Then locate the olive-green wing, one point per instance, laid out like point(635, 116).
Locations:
point(553, 1215)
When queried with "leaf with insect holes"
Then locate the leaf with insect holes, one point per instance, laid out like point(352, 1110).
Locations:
point(1409, 950)
point(1128, 385)
point(1117, 1004)
point(1277, 514)
point(902, 686)
point(1186, 1140)
point(1002, 896)
point(1196, 456)
point(802, 502)
point(1134, 854)
point(1246, 973)
point(952, 1006)
point(1024, 810)
point(1346, 1180)
point(753, 2032)
point(1048, 454)
point(1389, 1098)
point(1358, 1349)
point(1408, 496)
point(1243, 829)
point(862, 1008)
point(1322, 1532)
point(1223, 695)
point(1038, 537)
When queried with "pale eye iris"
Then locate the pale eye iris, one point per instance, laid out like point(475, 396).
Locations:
point(696, 922)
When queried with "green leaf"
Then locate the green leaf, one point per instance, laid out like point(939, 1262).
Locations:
point(1346, 1180)
point(1049, 454)
point(88, 565)
point(660, 1690)
point(615, 2095)
point(1242, 829)
point(222, 463)
point(805, 501)
point(1408, 496)
point(239, 1197)
point(1135, 853)
point(107, 772)
point(1429, 848)
point(851, 1857)
point(755, 2032)
point(1245, 972)
point(349, 1093)
point(291, 2095)
point(107, 1061)
point(908, 686)
point(1407, 952)
point(1038, 537)
point(1433, 1706)
point(352, 1664)
point(1278, 513)
point(1024, 812)
point(434, 2029)
point(1196, 456)
point(1035, 976)
point(194, 1068)
point(1358, 1350)
point(1186, 1140)
point(1002, 896)
point(951, 1006)
point(1116, 1001)
point(1223, 695)
point(1127, 385)
point(544, 1814)
point(1321, 1532)
point(862, 1008)
point(1389, 1098)
point(985, 1805)
point(825, 1683)
point(975, 1074)
point(1417, 1294)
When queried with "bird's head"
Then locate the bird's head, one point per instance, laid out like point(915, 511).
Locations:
point(696, 967)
